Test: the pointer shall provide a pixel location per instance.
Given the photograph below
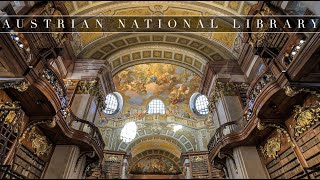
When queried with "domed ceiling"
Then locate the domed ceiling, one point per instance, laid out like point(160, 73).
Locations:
point(173, 84)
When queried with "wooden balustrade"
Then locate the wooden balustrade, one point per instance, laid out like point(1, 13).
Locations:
point(70, 120)
point(94, 131)
point(233, 128)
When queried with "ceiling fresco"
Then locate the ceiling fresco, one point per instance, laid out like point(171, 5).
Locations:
point(173, 84)
point(155, 165)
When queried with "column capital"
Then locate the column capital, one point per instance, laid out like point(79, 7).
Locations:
point(224, 89)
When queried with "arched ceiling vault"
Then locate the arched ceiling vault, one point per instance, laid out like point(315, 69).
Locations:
point(214, 46)
point(155, 152)
point(155, 144)
point(124, 50)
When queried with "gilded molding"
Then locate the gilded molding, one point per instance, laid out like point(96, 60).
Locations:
point(226, 89)
point(39, 143)
point(305, 117)
point(257, 39)
point(262, 126)
point(9, 114)
point(88, 87)
point(197, 158)
point(20, 86)
point(272, 147)
point(290, 91)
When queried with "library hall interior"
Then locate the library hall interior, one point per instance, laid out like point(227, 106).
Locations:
point(171, 103)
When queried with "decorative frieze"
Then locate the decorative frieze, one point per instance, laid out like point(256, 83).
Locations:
point(39, 143)
point(272, 147)
point(290, 91)
point(226, 89)
point(305, 117)
point(21, 86)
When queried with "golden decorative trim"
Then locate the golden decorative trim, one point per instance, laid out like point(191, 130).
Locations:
point(39, 143)
point(305, 117)
point(10, 117)
point(197, 158)
point(88, 87)
point(257, 39)
point(20, 86)
point(289, 91)
point(52, 123)
point(112, 158)
point(227, 89)
point(272, 147)
point(262, 126)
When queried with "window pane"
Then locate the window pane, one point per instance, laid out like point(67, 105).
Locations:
point(111, 104)
point(156, 106)
point(202, 105)
point(128, 132)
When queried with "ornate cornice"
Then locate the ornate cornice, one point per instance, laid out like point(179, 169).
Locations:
point(21, 86)
point(305, 117)
point(225, 89)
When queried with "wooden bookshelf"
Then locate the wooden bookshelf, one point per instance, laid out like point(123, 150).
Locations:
point(27, 164)
point(285, 166)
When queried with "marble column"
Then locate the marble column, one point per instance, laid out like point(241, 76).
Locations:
point(63, 162)
point(247, 164)
point(227, 105)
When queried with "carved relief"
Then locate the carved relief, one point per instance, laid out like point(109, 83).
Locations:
point(290, 91)
point(305, 117)
point(272, 147)
point(57, 33)
point(227, 89)
point(198, 158)
point(9, 115)
point(39, 143)
point(20, 86)
point(88, 87)
point(256, 39)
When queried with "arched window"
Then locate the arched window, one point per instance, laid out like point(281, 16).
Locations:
point(156, 106)
point(113, 103)
point(199, 104)
point(128, 132)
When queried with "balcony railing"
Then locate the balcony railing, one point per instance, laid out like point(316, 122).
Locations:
point(233, 131)
point(71, 121)
point(229, 128)
point(86, 127)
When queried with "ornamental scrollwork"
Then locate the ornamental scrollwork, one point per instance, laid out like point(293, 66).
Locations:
point(113, 158)
point(227, 89)
point(198, 158)
point(39, 143)
point(88, 87)
point(305, 117)
point(290, 91)
point(272, 147)
point(257, 39)
point(9, 113)
point(20, 86)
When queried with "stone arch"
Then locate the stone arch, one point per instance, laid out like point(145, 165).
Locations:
point(155, 152)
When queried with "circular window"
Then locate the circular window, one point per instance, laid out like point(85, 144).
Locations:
point(156, 106)
point(128, 132)
point(113, 103)
point(199, 104)
point(202, 104)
